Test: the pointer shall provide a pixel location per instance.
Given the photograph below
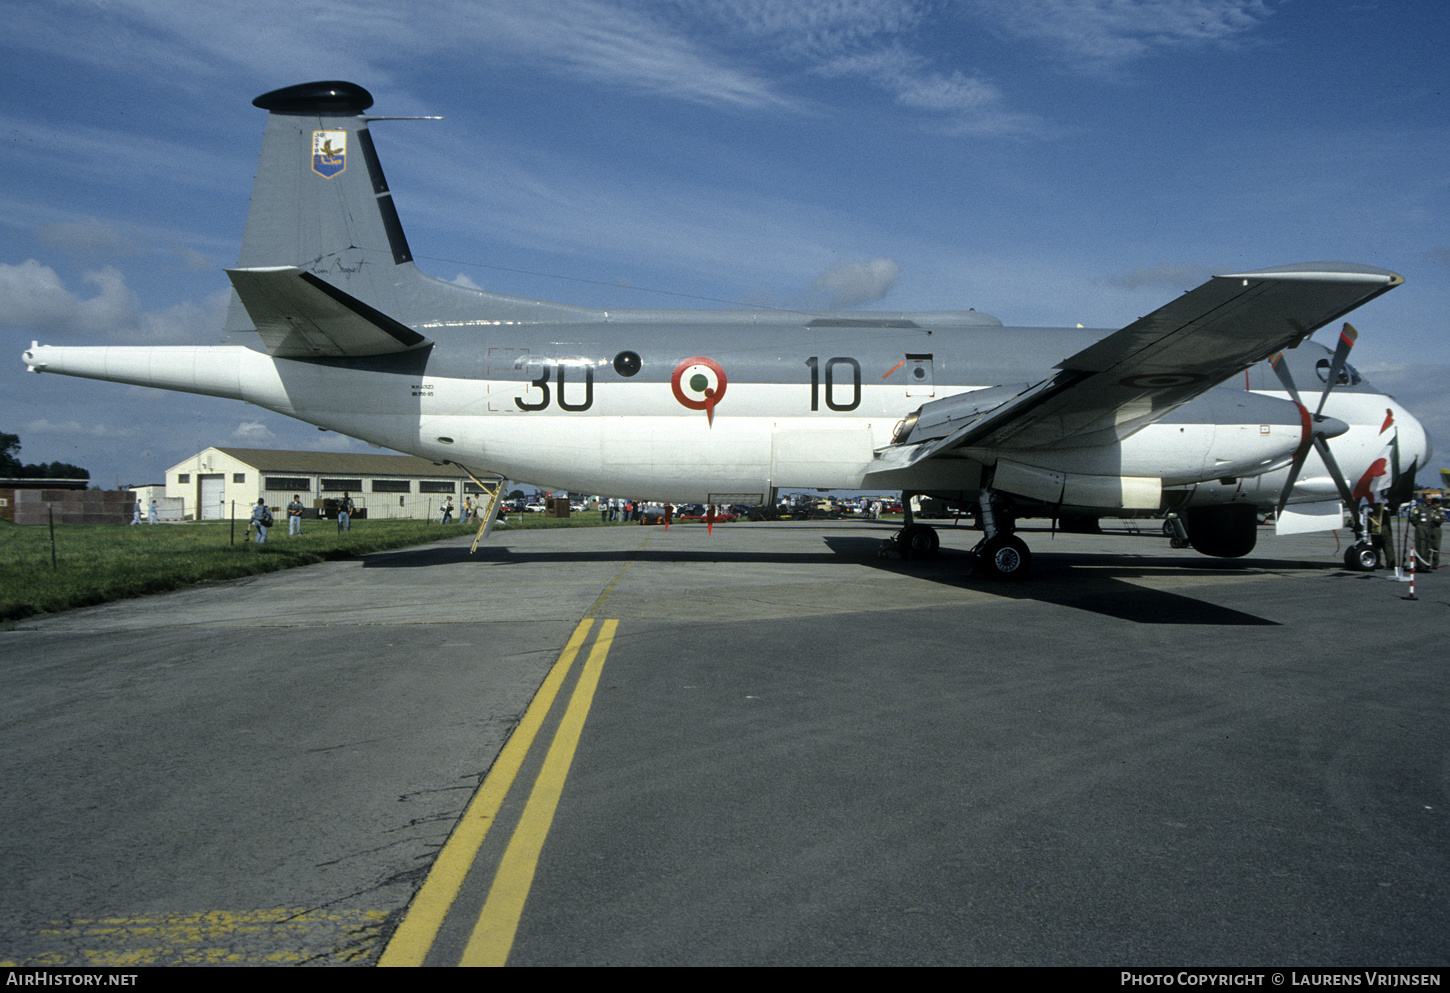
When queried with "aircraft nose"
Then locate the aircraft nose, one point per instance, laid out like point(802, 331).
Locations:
point(1415, 442)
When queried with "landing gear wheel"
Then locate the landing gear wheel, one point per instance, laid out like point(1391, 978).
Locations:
point(1005, 557)
point(919, 541)
point(1361, 557)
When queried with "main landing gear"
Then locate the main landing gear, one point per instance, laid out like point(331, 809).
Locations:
point(913, 541)
point(999, 555)
point(1004, 557)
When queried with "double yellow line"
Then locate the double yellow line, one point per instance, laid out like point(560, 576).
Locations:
point(493, 934)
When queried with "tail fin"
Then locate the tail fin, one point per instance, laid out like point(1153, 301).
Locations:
point(321, 205)
point(320, 202)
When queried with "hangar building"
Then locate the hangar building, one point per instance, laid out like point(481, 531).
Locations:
point(218, 483)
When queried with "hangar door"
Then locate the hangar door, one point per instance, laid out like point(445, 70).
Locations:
point(211, 491)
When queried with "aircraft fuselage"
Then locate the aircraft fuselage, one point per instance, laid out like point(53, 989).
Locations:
point(790, 400)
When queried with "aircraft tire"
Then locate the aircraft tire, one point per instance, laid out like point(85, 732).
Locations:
point(919, 541)
point(1006, 557)
point(1361, 557)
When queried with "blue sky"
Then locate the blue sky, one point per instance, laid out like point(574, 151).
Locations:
point(1051, 162)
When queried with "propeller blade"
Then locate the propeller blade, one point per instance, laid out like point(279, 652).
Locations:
point(1336, 366)
point(1345, 493)
point(1306, 441)
point(1281, 369)
point(1294, 468)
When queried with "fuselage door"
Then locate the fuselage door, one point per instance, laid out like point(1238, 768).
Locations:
point(920, 382)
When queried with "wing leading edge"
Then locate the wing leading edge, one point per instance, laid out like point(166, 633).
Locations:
point(1138, 374)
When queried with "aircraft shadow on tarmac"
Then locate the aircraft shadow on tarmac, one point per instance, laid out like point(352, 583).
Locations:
point(1097, 582)
point(1094, 582)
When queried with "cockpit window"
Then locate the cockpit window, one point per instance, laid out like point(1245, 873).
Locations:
point(1348, 376)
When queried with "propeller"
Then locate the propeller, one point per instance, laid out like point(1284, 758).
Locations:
point(1317, 428)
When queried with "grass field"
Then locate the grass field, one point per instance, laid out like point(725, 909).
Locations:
point(98, 563)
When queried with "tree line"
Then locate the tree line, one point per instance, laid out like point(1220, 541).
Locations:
point(12, 468)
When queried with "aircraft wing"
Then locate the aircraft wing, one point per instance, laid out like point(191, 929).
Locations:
point(1134, 376)
point(299, 315)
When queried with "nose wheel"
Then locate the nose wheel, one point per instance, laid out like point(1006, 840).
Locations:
point(1361, 557)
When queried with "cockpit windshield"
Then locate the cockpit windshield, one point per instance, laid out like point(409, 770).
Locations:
point(1348, 376)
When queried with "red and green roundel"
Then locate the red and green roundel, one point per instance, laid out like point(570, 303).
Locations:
point(699, 384)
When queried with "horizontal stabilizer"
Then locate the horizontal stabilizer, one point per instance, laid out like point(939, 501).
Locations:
point(299, 315)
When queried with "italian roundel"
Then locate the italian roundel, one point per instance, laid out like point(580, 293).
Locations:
point(699, 384)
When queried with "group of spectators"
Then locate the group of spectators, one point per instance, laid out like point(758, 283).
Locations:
point(619, 509)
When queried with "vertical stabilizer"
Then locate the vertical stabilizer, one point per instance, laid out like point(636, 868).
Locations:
point(320, 202)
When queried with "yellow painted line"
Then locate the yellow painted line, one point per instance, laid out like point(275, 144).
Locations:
point(415, 936)
point(493, 936)
point(218, 937)
point(599, 603)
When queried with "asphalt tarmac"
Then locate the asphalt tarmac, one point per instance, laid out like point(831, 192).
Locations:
point(772, 746)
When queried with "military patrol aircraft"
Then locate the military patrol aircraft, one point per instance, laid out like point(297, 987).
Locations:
point(333, 324)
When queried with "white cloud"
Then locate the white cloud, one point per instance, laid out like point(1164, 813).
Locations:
point(92, 236)
point(956, 103)
point(193, 260)
point(882, 45)
point(34, 296)
point(90, 429)
point(253, 432)
point(331, 441)
point(849, 284)
point(616, 44)
point(184, 322)
point(596, 40)
point(1104, 35)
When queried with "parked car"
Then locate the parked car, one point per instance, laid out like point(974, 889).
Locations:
point(696, 512)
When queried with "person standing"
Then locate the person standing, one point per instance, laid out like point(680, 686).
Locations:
point(261, 520)
point(344, 513)
point(447, 511)
point(136, 513)
point(155, 515)
point(1382, 533)
point(294, 516)
point(1427, 519)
